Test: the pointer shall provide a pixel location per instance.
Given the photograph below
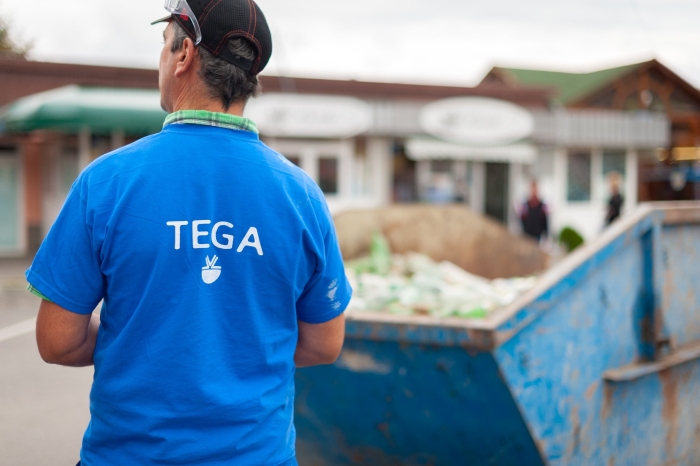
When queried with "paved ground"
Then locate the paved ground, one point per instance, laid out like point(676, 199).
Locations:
point(43, 408)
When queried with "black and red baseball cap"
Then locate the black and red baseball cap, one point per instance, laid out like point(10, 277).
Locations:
point(212, 23)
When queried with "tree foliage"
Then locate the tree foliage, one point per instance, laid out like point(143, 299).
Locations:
point(10, 46)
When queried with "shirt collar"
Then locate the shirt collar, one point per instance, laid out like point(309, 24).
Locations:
point(206, 118)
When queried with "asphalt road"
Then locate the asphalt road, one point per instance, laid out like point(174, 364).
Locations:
point(43, 408)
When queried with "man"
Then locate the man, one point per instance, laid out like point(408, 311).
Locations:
point(616, 201)
point(216, 260)
point(534, 215)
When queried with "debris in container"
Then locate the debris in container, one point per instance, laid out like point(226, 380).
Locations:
point(414, 284)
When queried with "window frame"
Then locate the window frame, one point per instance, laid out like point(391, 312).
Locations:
point(310, 153)
point(13, 156)
point(591, 173)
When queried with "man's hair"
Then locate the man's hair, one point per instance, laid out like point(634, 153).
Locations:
point(225, 82)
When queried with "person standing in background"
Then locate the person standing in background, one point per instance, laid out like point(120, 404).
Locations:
point(534, 215)
point(616, 200)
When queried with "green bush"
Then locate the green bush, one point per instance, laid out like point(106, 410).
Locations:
point(570, 238)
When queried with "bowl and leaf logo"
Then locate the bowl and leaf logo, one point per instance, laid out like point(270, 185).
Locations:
point(211, 272)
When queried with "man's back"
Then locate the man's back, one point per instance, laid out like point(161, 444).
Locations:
point(207, 247)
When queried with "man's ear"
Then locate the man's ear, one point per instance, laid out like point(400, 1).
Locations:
point(185, 58)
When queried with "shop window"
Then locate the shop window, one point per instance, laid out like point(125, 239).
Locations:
point(295, 159)
point(68, 169)
point(441, 166)
point(100, 145)
point(9, 200)
point(328, 175)
point(578, 187)
point(497, 192)
point(132, 139)
point(405, 187)
point(440, 184)
point(614, 161)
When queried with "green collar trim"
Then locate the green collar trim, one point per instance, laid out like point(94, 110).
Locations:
point(206, 118)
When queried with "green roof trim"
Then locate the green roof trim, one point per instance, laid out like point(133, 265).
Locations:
point(570, 86)
point(72, 108)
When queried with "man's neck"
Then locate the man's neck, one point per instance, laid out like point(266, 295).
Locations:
point(233, 110)
point(188, 101)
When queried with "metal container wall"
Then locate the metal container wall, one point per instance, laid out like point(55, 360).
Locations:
point(598, 365)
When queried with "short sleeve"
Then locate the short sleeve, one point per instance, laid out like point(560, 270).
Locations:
point(328, 292)
point(66, 269)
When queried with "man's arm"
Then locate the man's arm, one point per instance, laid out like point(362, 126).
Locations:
point(66, 338)
point(320, 343)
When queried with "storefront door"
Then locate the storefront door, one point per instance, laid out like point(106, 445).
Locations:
point(10, 204)
point(496, 191)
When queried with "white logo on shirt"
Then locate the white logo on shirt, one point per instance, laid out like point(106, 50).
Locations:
point(211, 272)
point(218, 238)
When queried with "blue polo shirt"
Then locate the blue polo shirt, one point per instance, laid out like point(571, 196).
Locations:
point(206, 248)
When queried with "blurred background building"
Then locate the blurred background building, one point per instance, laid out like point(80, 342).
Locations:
point(369, 144)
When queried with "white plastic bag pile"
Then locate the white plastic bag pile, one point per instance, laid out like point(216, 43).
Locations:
point(414, 284)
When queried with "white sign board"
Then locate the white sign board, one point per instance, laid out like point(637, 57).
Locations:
point(309, 116)
point(476, 121)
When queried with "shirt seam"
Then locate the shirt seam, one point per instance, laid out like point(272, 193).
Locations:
point(330, 315)
point(73, 307)
point(324, 318)
point(37, 293)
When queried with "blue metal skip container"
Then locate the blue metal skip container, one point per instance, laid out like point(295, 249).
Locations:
point(599, 364)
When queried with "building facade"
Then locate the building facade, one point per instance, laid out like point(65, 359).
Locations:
point(366, 144)
point(671, 171)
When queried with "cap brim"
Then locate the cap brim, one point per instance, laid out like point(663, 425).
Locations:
point(163, 20)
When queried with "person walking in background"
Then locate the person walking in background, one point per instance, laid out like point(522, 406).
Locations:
point(616, 200)
point(216, 260)
point(534, 215)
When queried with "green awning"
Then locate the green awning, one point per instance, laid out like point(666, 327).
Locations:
point(72, 108)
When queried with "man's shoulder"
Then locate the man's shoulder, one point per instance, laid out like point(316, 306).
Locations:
point(117, 156)
point(300, 178)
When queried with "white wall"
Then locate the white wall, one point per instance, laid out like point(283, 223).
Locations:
point(588, 218)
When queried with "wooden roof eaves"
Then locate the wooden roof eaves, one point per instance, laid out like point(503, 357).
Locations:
point(80, 72)
point(671, 75)
point(504, 75)
point(667, 72)
point(148, 78)
point(419, 92)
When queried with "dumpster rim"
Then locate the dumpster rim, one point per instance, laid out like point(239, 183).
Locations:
point(631, 226)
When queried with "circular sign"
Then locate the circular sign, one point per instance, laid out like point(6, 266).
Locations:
point(476, 121)
point(310, 116)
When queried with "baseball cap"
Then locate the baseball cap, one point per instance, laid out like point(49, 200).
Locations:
point(212, 23)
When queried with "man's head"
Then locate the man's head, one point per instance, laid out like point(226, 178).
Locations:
point(615, 182)
point(533, 189)
point(218, 72)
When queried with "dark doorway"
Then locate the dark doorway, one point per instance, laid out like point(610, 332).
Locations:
point(405, 186)
point(496, 195)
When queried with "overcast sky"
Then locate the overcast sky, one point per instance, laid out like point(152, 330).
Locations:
point(434, 41)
